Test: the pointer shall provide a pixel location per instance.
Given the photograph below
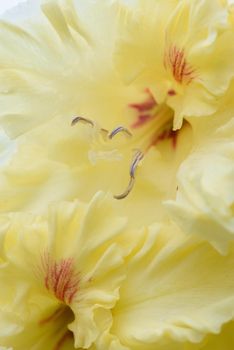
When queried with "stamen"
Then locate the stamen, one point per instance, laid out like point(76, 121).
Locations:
point(137, 157)
point(105, 132)
point(83, 120)
point(119, 129)
point(127, 191)
point(136, 160)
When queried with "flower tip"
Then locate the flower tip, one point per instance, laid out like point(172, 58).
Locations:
point(177, 123)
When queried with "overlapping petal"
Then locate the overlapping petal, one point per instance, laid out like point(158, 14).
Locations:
point(53, 164)
point(53, 65)
point(176, 292)
point(181, 50)
point(205, 197)
point(60, 274)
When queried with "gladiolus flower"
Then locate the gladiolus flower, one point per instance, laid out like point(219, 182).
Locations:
point(135, 100)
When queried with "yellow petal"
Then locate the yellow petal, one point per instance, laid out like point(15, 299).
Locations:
point(53, 164)
point(54, 66)
point(204, 203)
point(60, 272)
point(176, 290)
point(183, 54)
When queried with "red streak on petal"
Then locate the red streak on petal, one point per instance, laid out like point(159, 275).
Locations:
point(174, 138)
point(63, 339)
point(166, 135)
point(60, 278)
point(176, 61)
point(142, 119)
point(144, 109)
point(144, 106)
point(171, 92)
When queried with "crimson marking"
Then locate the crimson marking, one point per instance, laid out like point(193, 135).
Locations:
point(168, 134)
point(60, 278)
point(171, 92)
point(176, 61)
point(144, 110)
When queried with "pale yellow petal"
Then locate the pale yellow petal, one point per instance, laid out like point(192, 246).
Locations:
point(176, 290)
point(181, 50)
point(61, 273)
point(205, 198)
point(55, 64)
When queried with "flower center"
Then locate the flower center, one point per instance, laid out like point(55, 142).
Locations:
point(154, 123)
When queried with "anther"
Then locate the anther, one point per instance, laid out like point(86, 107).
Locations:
point(136, 160)
point(127, 191)
point(111, 135)
point(88, 121)
point(119, 129)
point(83, 120)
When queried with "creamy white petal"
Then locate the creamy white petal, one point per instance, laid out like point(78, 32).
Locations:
point(176, 290)
point(61, 273)
point(205, 197)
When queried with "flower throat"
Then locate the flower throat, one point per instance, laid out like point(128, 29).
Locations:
point(153, 124)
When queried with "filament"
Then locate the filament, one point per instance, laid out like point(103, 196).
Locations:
point(134, 165)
